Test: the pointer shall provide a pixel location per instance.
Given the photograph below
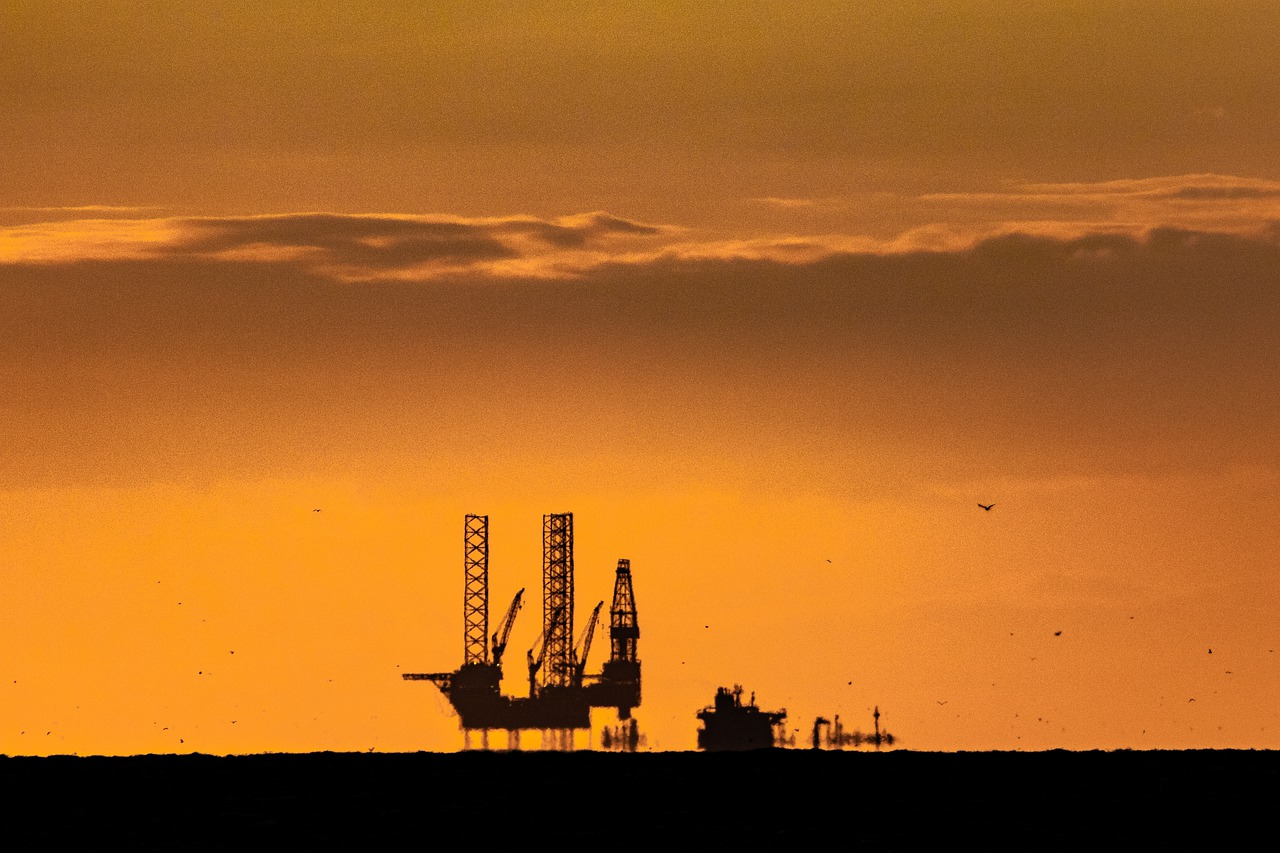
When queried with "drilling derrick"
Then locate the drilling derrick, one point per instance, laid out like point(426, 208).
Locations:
point(619, 682)
point(624, 627)
point(557, 599)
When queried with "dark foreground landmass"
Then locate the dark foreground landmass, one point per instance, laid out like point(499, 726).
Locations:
point(751, 800)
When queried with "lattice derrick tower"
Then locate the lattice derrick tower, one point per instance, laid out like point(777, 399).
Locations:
point(557, 598)
point(624, 628)
point(475, 599)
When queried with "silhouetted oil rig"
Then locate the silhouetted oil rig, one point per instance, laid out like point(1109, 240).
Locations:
point(561, 693)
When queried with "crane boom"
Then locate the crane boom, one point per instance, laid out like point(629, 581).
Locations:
point(584, 643)
point(504, 629)
point(535, 659)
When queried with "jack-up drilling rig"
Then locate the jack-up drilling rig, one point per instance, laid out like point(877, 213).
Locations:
point(561, 693)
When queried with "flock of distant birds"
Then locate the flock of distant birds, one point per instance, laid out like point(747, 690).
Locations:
point(985, 508)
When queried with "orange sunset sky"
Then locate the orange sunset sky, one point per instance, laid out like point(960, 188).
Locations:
point(769, 295)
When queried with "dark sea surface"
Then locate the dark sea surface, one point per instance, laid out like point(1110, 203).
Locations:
point(768, 799)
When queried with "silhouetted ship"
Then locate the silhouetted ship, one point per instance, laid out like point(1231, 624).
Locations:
point(729, 724)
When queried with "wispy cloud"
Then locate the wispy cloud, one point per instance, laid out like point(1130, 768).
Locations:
point(371, 247)
point(787, 203)
point(1205, 201)
point(83, 208)
point(88, 240)
point(344, 246)
point(1161, 187)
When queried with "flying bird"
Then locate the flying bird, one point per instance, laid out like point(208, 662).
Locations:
point(1057, 633)
point(987, 507)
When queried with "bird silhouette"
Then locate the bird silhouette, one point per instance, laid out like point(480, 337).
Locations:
point(987, 507)
point(1057, 633)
